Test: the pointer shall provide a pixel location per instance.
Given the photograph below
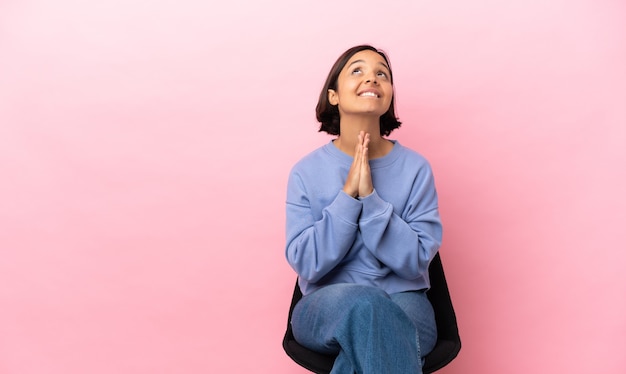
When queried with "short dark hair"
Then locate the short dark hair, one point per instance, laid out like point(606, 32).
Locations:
point(328, 114)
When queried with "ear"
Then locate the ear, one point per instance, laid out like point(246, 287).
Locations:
point(333, 98)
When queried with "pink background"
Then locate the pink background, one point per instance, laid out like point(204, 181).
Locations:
point(145, 146)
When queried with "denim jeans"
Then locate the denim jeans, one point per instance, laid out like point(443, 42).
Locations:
point(371, 331)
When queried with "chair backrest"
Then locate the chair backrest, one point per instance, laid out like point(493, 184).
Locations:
point(448, 340)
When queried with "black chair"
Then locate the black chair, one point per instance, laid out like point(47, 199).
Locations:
point(448, 340)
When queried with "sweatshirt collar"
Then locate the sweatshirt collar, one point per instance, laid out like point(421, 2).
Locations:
point(375, 163)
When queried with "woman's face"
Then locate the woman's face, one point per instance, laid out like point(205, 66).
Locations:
point(363, 86)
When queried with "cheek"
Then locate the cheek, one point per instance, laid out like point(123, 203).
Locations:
point(342, 88)
point(390, 94)
point(388, 102)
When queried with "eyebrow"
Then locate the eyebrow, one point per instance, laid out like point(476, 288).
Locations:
point(380, 63)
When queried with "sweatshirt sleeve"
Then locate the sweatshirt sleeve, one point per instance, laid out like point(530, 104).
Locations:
point(407, 243)
point(316, 246)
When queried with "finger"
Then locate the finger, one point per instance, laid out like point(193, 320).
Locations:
point(358, 154)
point(365, 165)
point(361, 137)
point(365, 148)
point(357, 151)
point(351, 186)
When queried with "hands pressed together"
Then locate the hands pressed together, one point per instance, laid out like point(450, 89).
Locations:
point(359, 181)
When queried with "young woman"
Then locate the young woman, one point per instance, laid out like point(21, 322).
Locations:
point(362, 227)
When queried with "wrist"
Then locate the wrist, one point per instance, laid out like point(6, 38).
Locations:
point(350, 192)
point(353, 194)
point(362, 195)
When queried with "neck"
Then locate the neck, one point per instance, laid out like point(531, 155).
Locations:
point(347, 141)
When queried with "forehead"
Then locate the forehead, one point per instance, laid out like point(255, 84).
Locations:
point(367, 56)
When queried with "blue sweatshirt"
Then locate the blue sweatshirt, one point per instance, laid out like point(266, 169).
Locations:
point(386, 239)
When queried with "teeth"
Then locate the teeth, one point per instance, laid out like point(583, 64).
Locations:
point(368, 94)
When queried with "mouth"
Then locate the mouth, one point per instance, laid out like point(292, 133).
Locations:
point(369, 94)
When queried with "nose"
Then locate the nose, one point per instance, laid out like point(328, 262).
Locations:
point(371, 78)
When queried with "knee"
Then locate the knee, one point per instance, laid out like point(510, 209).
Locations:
point(364, 301)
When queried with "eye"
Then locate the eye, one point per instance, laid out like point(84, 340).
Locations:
point(382, 74)
point(356, 71)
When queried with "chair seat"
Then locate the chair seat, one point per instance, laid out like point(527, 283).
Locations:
point(444, 352)
point(448, 341)
point(314, 361)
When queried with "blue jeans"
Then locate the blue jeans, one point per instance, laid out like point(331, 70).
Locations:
point(371, 331)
